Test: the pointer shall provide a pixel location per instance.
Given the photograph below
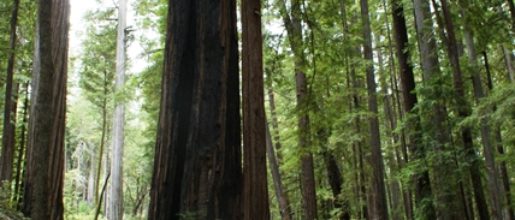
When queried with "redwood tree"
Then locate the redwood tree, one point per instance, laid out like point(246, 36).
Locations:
point(447, 201)
point(255, 190)
point(464, 110)
point(293, 23)
point(407, 80)
point(43, 196)
point(197, 164)
point(379, 209)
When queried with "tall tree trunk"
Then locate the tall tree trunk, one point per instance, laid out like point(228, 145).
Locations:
point(422, 183)
point(463, 195)
point(255, 185)
point(359, 148)
point(388, 109)
point(197, 166)
point(354, 105)
point(446, 197)
point(378, 192)
point(307, 164)
point(45, 152)
point(116, 204)
point(463, 108)
point(280, 194)
point(292, 22)
point(409, 97)
point(500, 148)
point(489, 151)
point(8, 136)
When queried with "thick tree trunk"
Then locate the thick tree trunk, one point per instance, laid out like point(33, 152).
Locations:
point(378, 192)
point(116, 204)
point(422, 183)
point(255, 185)
point(197, 166)
point(45, 152)
point(8, 136)
point(280, 194)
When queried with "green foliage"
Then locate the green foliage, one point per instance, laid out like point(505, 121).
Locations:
point(97, 61)
point(335, 69)
point(10, 214)
point(5, 194)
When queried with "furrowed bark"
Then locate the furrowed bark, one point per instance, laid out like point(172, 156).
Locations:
point(45, 152)
point(197, 166)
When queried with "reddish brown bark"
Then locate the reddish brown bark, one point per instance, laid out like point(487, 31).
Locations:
point(45, 152)
point(197, 165)
point(255, 190)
